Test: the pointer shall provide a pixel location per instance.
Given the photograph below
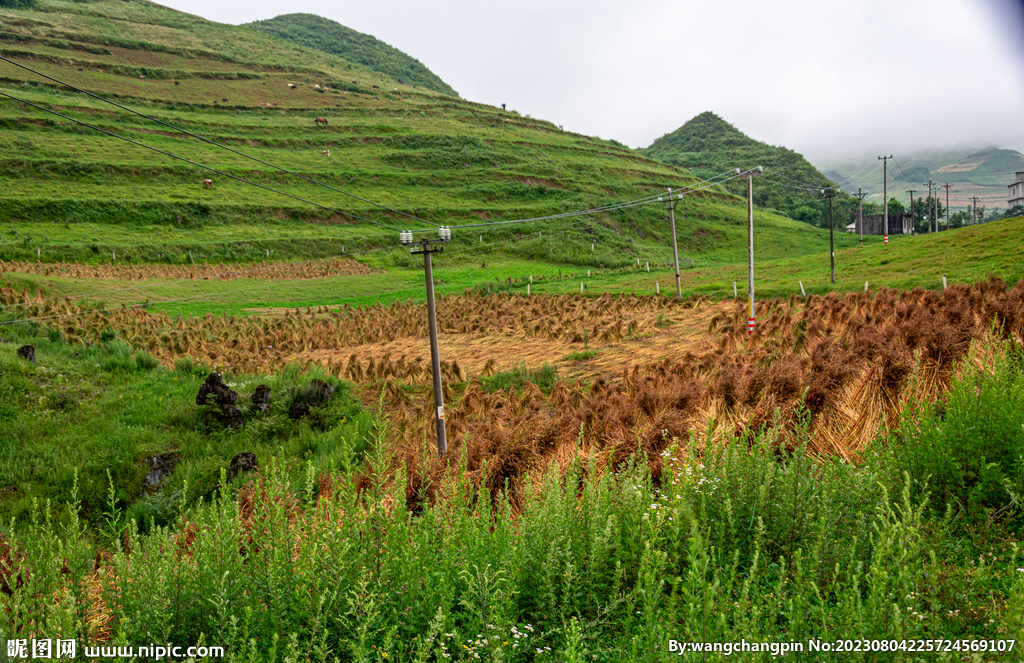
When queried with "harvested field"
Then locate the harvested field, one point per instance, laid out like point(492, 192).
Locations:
point(262, 270)
point(839, 365)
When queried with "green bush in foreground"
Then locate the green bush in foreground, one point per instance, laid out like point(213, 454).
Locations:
point(968, 449)
point(739, 543)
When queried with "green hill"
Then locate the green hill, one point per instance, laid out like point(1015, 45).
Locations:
point(708, 145)
point(70, 193)
point(332, 37)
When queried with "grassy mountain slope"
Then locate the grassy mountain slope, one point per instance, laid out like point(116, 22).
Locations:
point(332, 37)
point(75, 195)
point(708, 145)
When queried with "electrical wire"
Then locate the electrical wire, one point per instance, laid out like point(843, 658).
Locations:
point(211, 142)
point(608, 208)
point(627, 204)
point(213, 276)
point(195, 163)
point(210, 297)
point(808, 184)
point(843, 181)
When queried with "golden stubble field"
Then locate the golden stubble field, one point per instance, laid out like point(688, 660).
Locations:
point(657, 370)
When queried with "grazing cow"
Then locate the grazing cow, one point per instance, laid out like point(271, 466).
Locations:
point(141, 76)
point(503, 107)
point(208, 184)
point(326, 153)
point(291, 86)
point(317, 86)
point(177, 82)
point(320, 120)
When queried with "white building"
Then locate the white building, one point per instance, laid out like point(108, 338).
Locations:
point(1015, 195)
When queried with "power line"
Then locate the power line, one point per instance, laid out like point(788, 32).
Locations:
point(607, 208)
point(841, 182)
point(210, 297)
point(214, 276)
point(195, 163)
point(211, 142)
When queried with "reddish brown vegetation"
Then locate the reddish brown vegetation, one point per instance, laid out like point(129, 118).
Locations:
point(265, 270)
point(848, 359)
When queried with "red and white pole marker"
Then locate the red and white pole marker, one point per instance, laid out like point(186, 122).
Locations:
point(887, 240)
point(750, 326)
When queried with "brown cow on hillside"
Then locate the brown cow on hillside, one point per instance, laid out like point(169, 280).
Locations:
point(208, 184)
point(318, 120)
point(326, 153)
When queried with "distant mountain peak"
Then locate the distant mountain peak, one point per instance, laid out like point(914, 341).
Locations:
point(708, 145)
point(329, 36)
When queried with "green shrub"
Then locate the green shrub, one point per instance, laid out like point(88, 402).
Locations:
point(581, 355)
point(19, 4)
point(187, 366)
point(544, 377)
point(145, 361)
point(968, 449)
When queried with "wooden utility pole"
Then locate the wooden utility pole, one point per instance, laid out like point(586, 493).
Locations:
point(671, 205)
point(435, 354)
point(885, 194)
point(831, 232)
point(947, 186)
point(912, 192)
point(750, 175)
point(860, 215)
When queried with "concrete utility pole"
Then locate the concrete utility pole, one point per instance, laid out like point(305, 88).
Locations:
point(750, 175)
point(860, 214)
point(831, 231)
point(885, 195)
point(931, 216)
point(435, 354)
point(947, 186)
point(671, 205)
point(912, 192)
point(932, 208)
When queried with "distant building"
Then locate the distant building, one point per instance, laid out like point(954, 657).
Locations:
point(1015, 195)
point(899, 224)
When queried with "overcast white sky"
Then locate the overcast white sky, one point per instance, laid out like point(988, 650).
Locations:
point(832, 80)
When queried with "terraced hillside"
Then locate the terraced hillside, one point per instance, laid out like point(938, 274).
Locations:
point(984, 173)
point(74, 194)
